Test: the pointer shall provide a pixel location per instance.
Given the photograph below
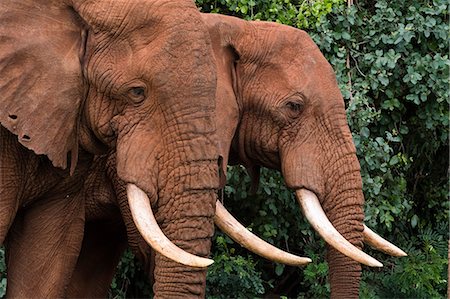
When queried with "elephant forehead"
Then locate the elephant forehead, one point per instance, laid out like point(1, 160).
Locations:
point(158, 62)
point(310, 69)
point(114, 63)
point(119, 17)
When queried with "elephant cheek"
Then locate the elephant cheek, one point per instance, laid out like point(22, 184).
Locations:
point(137, 162)
point(301, 168)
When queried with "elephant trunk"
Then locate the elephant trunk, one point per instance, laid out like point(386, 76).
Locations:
point(187, 220)
point(329, 168)
point(182, 189)
point(343, 205)
point(344, 272)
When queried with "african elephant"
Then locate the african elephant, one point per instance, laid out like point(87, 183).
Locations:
point(280, 107)
point(81, 77)
point(284, 111)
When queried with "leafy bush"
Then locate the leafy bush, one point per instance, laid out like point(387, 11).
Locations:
point(303, 15)
point(130, 279)
point(420, 275)
point(231, 275)
point(2, 272)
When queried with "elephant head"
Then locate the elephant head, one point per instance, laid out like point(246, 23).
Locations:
point(137, 76)
point(282, 109)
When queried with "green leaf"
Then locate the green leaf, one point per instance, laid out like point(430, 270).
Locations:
point(394, 160)
point(279, 269)
point(414, 221)
point(365, 132)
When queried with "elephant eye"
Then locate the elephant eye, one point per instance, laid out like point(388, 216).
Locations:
point(294, 107)
point(136, 94)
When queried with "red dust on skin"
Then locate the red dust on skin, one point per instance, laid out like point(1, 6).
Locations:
point(125, 72)
point(292, 118)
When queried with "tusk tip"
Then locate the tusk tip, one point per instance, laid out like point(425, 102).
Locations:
point(398, 252)
point(401, 253)
point(299, 262)
point(377, 242)
point(197, 262)
point(208, 262)
point(375, 264)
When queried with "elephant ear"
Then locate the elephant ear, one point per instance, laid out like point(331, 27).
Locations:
point(41, 85)
point(229, 37)
point(227, 92)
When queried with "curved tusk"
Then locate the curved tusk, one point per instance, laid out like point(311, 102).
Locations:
point(150, 231)
point(316, 216)
point(229, 225)
point(377, 242)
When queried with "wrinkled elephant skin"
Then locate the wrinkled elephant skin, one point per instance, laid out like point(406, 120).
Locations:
point(79, 78)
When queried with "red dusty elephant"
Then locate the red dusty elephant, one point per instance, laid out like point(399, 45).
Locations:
point(279, 106)
point(283, 110)
point(80, 77)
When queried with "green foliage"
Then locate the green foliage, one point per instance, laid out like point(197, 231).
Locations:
point(232, 275)
point(420, 275)
point(2, 272)
point(302, 14)
point(310, 13)
point(130, 281)
point(314, 283)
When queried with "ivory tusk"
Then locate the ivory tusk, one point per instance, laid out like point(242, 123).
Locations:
point(377, 242)
point(316, 216)
point(148, 227)
point(229, 225)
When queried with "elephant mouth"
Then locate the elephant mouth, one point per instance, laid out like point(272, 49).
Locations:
point(146, 223)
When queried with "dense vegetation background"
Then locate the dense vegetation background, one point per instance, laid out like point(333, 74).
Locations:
point(391, 61)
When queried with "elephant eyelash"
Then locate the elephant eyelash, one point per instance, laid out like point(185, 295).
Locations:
point(137, 94)
point(137, 91)
point(295, 106)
